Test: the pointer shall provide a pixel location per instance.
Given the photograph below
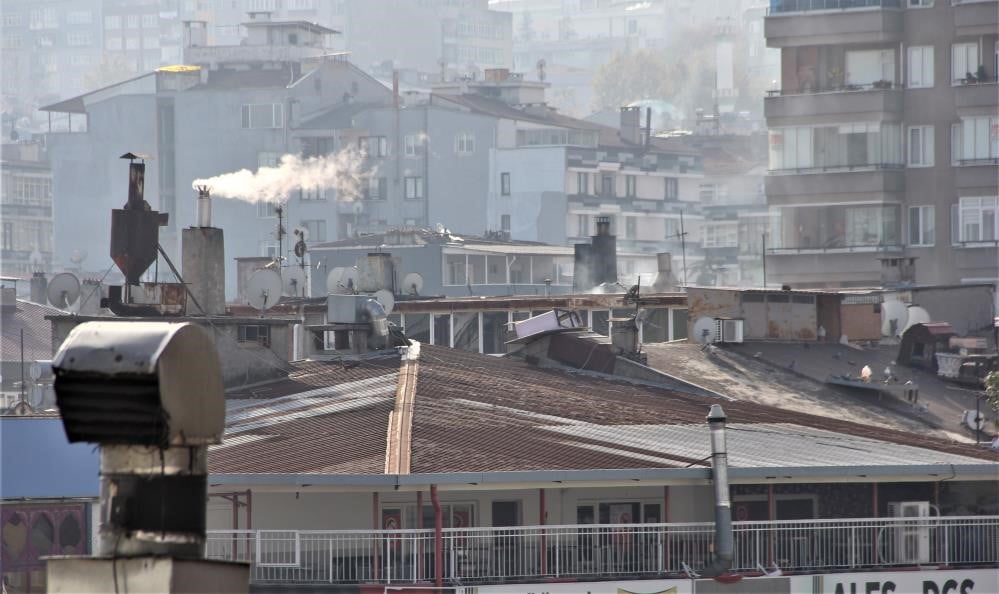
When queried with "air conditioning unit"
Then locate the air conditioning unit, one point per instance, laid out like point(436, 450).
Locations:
point(727, 330)
point(911, 539)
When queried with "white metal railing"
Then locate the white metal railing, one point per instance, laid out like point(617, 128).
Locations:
point(472, 555)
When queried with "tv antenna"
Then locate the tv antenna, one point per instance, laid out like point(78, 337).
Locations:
point(682, 236)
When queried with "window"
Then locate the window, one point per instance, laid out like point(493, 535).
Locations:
point(78, 39)
point(920, 146)
point(920, 3)
point(672, 188)
point(373, 146)
point(838, 226)
point(150, 21)
point(869, 66)
point(505, 222)
point(582, 225)
point(374, 188)
point(112, 22)
point(921, 67)
point(131, 43)
point(263, 115)
point(582, 183)
point(975, 139)
point(454, 269)
point(112, 43)
point(315, 230)
point(11, 19)
point(672, 228)
point(464, 143)
point(132, 21)
point(978, 220)
point(607, 185)
point(411, 144)
point(266, 209)
point(922, 231)
point(269, 249)
point(504, 184)
point(311, 194)
point(8, 236)
point(630, 227)
point(259, 333)
point(863, 144)
point(414, 187)
point(268, 159)
point(721, 235)
point(630, 183)
point(964, 61)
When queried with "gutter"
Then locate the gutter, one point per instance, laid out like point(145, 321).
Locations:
point(565, 478)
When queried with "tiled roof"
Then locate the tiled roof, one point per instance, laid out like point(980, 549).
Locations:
point(37, 331)
point(476, 413)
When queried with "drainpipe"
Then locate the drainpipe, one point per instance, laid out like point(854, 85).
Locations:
point(438, 538)
point(543, 552)
point(376, 522)
point(723, 505)
point(419, 526)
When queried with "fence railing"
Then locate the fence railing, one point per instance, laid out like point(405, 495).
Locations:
point(781, 6)
point(475, 555)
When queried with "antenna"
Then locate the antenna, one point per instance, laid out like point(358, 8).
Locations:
point(294, 282)
point(412, 283)
point(263, 289)
point(63, 290)
point(385, 297)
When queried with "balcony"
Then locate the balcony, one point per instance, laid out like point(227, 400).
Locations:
point(975, 17)
point(792, 23)
point(536, 553)
point(977, 94)
point(853, 100)
point(976, 173)
point(828, 181)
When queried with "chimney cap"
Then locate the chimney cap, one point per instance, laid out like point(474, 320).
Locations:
point(717, 414)
point(133, 156)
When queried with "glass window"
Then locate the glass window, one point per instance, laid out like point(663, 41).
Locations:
point(454, 269)
point(672, 188)
point(630, 186)
point(721, 234)
point(672, 228)
point(655, 325)
point(411, 142)
point(679, 324)
point(869, 66)
point(564, 267)
point(842, 146)
point(974, 140)
point(582, 225)
point(631, 227)
point(964, 61)
point(442, 330)
point(263, 115)
point(466, 331)
point(417, 327)
point(582, 183)
point(373, 146)
point(922, 229)
point(599, 321)
point(921, 66)
point(315, 230)
point(920, 146)
point(476, 270)
point(496, 270)
point(978, 220)
point(505, 184)
point(542, 268)
point(494, 332)
point(464, 143)
point(520, 270)
point(505, 222)
point(414, 187)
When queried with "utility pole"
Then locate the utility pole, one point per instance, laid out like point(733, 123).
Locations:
point(683, 247)
point(764, 235)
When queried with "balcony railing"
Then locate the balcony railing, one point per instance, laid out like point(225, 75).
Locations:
point(836, 168)
point(490, 555)
point(881, 85)
point(782, 6)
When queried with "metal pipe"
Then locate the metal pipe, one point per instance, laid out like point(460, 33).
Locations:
point(377, 541)
point(438, 538)
point(542, 553)
point(419, 526)
point(723, 504)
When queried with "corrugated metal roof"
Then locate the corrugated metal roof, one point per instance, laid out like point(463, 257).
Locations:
point(37, 332)
point(476, 413)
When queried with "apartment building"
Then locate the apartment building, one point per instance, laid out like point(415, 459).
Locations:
point(26, 210)
point(884, 141)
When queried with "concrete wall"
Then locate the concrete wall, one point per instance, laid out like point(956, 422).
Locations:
point(537, 202)
point(968, 309)
point(777, 315)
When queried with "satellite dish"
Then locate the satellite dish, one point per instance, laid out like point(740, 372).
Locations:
point(412, 283)
point(348, 281)
point(704, 331)
point(894, 316)
point(294, 282)
point(40, 369)
point(63, 290)
point(78, 256)
point(385, 297)
point(917, 315)
point(263, 289)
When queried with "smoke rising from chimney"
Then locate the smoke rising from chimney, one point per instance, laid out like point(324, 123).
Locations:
point(342, 171)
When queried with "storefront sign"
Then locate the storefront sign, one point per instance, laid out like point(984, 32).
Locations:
point(628, 587)
point(971, 581)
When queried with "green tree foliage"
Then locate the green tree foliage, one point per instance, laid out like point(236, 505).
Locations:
point(992, 390)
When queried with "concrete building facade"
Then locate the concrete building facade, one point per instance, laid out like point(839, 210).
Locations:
point(884, 142)
point(26, 207)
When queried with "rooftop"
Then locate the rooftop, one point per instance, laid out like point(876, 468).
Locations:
point(479, 414)
point(29, 317)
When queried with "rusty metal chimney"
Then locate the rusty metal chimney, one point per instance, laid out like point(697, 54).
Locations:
point(135, 228)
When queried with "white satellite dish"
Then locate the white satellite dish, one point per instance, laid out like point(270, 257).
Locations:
point(294, 281)
point(263, 289)
point(333, 280)
point(63, 290)
point(348, 281)
point(704, 331)
point(412, 283)
point(894, 317)
point(917, 315)
point(385, 297)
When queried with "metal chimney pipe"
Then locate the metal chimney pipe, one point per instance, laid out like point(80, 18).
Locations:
point(723, 505)
point(204, 206)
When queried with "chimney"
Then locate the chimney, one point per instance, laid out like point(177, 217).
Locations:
point(135, 228)
point(376, 272)
point(665, 281)
point(8, 299)
point(203, 261)
point(39, 288)
point(723, 505)
point(604, 253)
point(624, 336)
point(631, 124)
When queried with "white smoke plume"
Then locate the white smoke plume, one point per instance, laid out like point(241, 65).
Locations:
point(342, 171)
